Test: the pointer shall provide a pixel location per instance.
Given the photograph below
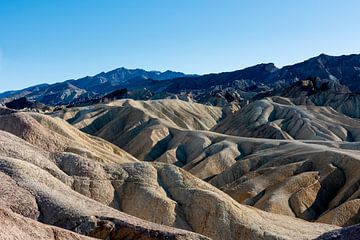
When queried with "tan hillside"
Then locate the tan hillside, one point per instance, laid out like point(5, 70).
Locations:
point(138, 125)
point(55, 135)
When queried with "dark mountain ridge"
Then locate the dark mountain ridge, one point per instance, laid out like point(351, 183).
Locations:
point(343, 69)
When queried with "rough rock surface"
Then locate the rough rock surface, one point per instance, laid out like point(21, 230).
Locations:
point(348, 233)
point(16, 227)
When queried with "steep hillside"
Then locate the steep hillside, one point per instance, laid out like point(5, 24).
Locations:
point(346, 103)
point(242, 79)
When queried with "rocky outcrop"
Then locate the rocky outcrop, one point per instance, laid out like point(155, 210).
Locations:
point(317, 92)
point(23, 103)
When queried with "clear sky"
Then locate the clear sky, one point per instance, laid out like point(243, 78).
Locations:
point(55, 40)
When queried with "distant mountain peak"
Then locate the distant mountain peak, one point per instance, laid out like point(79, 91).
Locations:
point(322, 55)
point(269, 67)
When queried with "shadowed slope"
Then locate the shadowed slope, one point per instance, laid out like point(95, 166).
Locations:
point(348, 233)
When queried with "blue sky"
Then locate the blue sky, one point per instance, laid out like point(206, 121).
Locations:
point(55, 40)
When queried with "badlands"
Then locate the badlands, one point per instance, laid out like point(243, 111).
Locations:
point(170, 169)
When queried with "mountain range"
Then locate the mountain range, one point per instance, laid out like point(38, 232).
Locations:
point(88, 87)
point(343, 69)
point(340, 70)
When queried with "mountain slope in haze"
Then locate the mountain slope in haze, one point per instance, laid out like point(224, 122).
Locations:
point(340, 70)
point(14, 94)
point(243, 79)
point(90, 87)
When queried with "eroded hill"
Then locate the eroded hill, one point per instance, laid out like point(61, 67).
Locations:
point(314, 179)
point(55, 174)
